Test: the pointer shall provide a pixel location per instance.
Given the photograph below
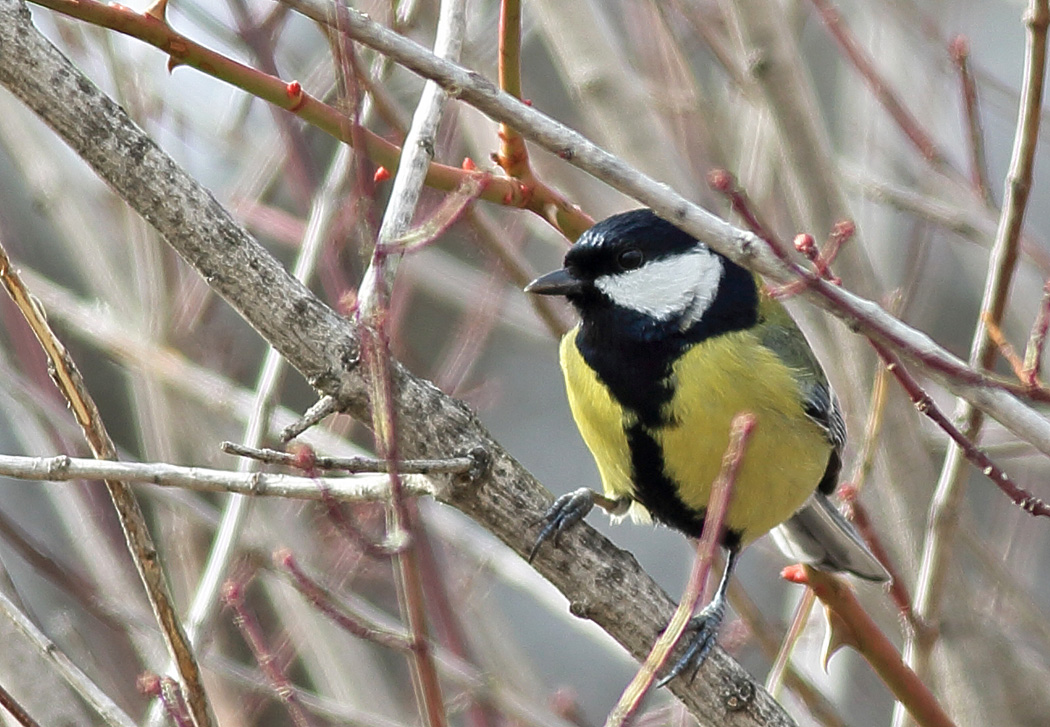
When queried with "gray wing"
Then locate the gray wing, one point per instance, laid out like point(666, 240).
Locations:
point(818, 534)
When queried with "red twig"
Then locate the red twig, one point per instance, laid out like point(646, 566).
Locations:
point(513, 155)
point(851, 624)
point(323, 600)
point(723, 181)
point(959, 49)
point(11, 705)
point(860, 58)
point(925, 404)
point(858, 515)
point(233, 596)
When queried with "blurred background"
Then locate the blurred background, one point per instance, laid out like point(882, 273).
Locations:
point(676, 87)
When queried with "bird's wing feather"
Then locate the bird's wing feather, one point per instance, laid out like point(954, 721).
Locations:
point(818, 534)
point(822, 406)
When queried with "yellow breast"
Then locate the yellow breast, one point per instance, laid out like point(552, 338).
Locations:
point(712, 382)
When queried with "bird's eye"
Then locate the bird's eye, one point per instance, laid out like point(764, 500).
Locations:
point(630, 259)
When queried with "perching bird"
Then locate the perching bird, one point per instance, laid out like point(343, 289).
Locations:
point(674, 340)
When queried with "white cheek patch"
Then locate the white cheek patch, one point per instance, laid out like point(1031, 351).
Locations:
point(681, 286)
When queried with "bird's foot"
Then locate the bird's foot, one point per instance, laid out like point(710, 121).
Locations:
point(566, 511)
point(704, 627)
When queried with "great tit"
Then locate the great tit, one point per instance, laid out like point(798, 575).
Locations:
point(674, 340)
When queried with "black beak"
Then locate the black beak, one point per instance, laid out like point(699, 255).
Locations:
point(558, 282)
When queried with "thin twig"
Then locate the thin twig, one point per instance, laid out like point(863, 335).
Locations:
point(1033, 355)
point(959, 49)
point(787, 646)
point(318, 412)
point(354, 465)
point(898, 590)
point(112, 714)
point(16, 710)
point(1006, 350)
point(251, 631)
point(326, 603)
point(740, 430)
point(67, 377)
point(925, 404)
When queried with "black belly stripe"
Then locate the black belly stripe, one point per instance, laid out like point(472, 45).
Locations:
point(658, 492)
point(633, 354)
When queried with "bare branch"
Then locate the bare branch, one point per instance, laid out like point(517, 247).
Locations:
point(357, 488)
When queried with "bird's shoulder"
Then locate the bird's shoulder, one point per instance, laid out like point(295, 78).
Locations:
point(777, 331)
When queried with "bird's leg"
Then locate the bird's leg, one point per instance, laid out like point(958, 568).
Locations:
point(570, 509)
point(705, 625)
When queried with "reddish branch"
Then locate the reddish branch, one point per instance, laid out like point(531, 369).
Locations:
point(11, 705)
point(154, 29)
point(850, 624)
point(924, 403)
point(883, 91)
point(233, 596)
point(323, 600)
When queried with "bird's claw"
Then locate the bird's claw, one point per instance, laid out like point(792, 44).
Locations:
point(566, 511)
point(704, 626)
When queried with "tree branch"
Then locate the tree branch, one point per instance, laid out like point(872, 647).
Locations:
point(602, 582)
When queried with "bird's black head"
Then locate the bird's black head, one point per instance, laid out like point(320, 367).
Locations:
point(638, 276)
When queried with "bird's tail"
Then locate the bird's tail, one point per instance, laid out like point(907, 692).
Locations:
point(819, 535)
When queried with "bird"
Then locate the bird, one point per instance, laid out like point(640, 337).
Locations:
point(674, 340)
